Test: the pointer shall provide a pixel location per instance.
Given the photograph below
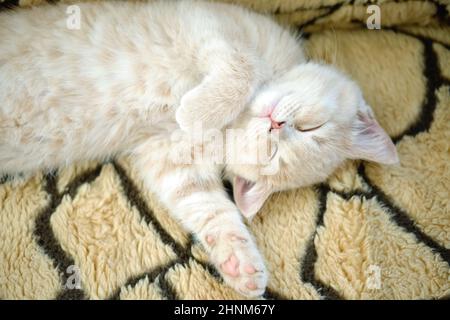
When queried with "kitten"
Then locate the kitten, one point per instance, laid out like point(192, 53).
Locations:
point(135, 73)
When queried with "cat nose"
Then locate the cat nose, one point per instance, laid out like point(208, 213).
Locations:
point(275, 124)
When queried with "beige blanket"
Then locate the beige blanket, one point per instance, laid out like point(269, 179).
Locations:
point(370, 232)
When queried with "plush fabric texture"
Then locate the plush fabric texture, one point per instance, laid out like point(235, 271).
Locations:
point(369, 232)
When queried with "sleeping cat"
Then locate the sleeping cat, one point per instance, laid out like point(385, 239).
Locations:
point(133, 74)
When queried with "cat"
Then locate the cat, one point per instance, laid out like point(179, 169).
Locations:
point(134, 74)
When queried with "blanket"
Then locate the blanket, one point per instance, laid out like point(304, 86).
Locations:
point(92, 231)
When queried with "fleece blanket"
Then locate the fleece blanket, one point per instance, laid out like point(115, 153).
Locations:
point(91, 231)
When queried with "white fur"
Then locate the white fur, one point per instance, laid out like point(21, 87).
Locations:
point(136, 72)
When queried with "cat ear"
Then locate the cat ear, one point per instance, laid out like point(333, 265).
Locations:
point(370, 141)
point(249, 196)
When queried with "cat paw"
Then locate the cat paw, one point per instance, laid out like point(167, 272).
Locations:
point(240, 264)
point(185, 115)
point(198, 111)
point(191, 111)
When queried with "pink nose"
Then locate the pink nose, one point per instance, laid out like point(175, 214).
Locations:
point(275, 124)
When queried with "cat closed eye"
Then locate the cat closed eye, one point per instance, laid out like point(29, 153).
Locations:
point(305, 128)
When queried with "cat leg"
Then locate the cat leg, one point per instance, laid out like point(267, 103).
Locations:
point(194, 195)
point(230, 81)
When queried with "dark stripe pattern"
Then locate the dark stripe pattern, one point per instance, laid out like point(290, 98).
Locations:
point(62, 260)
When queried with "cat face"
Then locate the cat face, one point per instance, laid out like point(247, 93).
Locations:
point(307, 123)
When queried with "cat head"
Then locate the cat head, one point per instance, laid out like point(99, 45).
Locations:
point(308, 121)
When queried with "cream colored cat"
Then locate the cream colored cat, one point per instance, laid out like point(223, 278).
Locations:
point(133, 74)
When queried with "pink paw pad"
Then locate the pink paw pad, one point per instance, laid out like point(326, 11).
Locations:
point(251, 285)
point(235, 238)
point(231, 266)
point(249, 269)
point(210, 240)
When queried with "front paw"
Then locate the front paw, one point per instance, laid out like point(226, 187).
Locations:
point(200, 110)
point(186, 113)
point(239, 262)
